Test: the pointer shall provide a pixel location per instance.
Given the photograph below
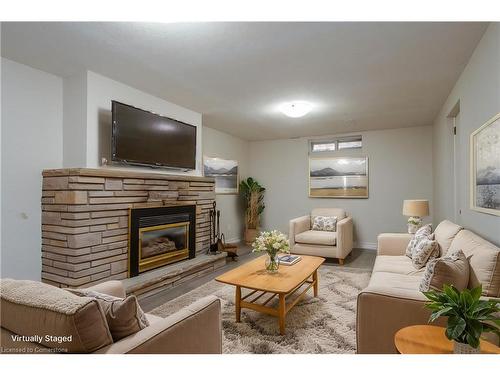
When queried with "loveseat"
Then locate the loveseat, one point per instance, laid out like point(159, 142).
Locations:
point(392, 299)
point(195, 329)
point(335, 244)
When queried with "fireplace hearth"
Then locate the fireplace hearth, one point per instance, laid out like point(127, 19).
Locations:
point(160, 236)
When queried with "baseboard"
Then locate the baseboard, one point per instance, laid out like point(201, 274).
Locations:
point(233, 240)
point(366, 245)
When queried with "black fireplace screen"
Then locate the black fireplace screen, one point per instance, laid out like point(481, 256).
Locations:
point(160, 236)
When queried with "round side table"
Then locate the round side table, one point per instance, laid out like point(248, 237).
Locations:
point(427, 339)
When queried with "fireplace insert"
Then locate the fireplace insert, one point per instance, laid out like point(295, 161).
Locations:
point(161, 236)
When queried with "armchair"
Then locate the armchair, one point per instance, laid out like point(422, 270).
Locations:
point(337, 244)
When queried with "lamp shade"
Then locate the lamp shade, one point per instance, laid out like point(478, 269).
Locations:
point(416, 207)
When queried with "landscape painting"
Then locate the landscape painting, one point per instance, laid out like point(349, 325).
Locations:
point(225, 173)
point(338, 177)
point(485, 167)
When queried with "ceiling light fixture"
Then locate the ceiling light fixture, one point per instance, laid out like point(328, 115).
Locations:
point(296, 108)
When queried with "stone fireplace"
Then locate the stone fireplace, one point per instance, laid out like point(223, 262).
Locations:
point(161, 236)
point(86, 219)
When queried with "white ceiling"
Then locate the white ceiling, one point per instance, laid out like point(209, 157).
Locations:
point(360, 76)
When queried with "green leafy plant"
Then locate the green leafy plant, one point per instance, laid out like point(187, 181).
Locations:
point(468, 315)
point(253, 193)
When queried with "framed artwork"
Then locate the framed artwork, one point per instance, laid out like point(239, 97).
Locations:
point(225, 173)
point(338, 177)
point(485, 168)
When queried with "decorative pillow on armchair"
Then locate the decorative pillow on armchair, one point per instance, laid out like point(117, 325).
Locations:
point(450, 270)
point(324, 223)
point(423, 232)
point(124, 315)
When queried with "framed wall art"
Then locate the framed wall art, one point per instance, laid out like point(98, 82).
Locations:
point(485, 168)
point(338, 177)
point(225, 173)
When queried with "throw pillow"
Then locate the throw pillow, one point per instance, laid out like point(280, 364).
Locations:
point(325, 223)
point(424, 250)
point(425, 231)
point(124, 315)
point(452, 269)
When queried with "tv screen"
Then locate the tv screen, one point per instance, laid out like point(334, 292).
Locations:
point(145, 138)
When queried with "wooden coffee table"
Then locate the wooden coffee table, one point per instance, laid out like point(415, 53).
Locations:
point(427, 339)
point(263, 287)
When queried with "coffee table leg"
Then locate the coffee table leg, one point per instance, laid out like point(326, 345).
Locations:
point(315, 280)
point(282, 313)
point(237, 302)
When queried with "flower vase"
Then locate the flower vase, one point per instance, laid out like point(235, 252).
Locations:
point(461, 348)
point(272, 263)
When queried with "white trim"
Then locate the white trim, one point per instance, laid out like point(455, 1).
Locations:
point(234, 240)
point(366, 245)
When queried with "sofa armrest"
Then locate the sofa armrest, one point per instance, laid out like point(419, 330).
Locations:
point(113, 288)
point(298, 225)
point(380, 316)
point(195, 329)
point(393, 243)
point(344, 237)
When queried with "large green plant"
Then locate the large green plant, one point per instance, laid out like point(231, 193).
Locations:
point(253, 193)
point(468, 315)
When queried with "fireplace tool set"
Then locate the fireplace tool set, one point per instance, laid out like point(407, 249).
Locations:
point(217, 240)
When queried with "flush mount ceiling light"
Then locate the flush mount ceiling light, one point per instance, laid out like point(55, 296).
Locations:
point(296, 108)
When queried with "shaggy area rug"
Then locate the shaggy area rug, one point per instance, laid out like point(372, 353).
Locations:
point(325, 324)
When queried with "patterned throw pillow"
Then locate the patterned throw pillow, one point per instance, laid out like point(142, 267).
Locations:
point(425, 250)
point(451, 270)
point(324, 223)
point(423, 232)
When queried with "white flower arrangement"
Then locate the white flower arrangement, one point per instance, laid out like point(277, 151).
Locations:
point(271, 242)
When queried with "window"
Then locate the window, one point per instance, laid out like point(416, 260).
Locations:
point(336, 144)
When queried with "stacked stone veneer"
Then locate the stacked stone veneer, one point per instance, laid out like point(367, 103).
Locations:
point(85, 218)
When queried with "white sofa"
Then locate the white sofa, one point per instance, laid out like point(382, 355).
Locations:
point(337, 244)
point(392, 299)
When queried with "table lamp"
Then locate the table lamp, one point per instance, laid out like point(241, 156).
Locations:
point(415, 209)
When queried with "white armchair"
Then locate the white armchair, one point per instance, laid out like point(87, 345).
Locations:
point(337, 244)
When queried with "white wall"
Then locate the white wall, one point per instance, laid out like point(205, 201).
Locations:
point(100, 91)
point(478, 90)
point(400, 167)
point(75, 120)
point(225, 146)
point(32, 108)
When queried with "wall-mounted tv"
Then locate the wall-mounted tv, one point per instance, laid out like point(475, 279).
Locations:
point(144, 138)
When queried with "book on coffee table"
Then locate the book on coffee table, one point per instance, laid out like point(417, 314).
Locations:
point(288, 260)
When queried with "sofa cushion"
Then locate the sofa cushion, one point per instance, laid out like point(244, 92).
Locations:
point(317, 237)
point(396, 285)
point(444, 234)
point(399, 264)
point(124, 315)
point(339, 212)
point(324, 223)
point(452, 269)
point(33, 308)
point(484, 261)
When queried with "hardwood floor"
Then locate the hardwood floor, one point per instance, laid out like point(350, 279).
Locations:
point(359, 258)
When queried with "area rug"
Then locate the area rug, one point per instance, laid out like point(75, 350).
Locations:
point(326, 324)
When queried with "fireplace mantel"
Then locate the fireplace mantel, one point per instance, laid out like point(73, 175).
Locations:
point(85, 218)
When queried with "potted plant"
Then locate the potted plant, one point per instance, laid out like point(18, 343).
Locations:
point(272, 243)
point(253, 193)
point(468, 316)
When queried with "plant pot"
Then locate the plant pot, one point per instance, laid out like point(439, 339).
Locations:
point(272, 263)
point(251, 235)
point(460, 348)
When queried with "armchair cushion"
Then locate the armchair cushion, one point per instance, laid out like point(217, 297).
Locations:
point(324, 223)
point(317, 237)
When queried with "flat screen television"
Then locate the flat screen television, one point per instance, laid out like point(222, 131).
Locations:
point(144, 138)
